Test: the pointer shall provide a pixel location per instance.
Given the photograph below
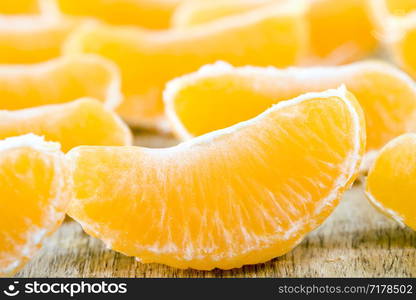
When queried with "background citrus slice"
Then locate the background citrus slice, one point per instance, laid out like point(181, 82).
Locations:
point(241, 195)
point(20, 7)
point(340, 31)
point(35, 190)
point(391, 184)
point(33, 39)
point(401, 41)
point(396, 29)
point(271, 35)
point(220, 95)
point(154, 14)
point(77, 123)
point(58, 81)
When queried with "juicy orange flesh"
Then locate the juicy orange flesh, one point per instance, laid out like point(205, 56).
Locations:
point(15, 7)
point(405, 49)
point(82, 122)
point(33, 40)
point(58, 81)
point(148, 60)
point(400, 7)
point(216, 102)
point(146, 13)
point(29, 187)
point(391, 181)
point(241, 198)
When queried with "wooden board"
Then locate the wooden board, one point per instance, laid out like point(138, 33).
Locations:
point(356, 241)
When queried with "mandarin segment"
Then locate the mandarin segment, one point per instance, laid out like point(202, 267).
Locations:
point(340, 31)
point(33, 39)
point(147, 60)
point(396, 22)
point(58, 81)
point(220, 95)
point(35, 191)
point(391, 184)
point(401, 41)
point(153, 14)
point(237, 196)
point(77, 123)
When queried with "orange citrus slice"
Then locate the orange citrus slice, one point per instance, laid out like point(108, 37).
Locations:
point(35, 188)
point(147, 60)
point(396, 22)
point(340, 31)
point(237, 196)
point(391, 184)
point(220, 95)
point(58, 81)
point(153, 14)
point(401, 41)
point(77, 123)
point(32, 39)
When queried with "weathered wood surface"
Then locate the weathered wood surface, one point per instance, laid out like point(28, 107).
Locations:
point(355, 241)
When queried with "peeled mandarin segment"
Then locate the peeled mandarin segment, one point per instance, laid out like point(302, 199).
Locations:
point(334, 37)
point(397, 30)
point(401, 41)
point(35, 190)
point(33, 39)
point(153, 14)
point(147, 60)
point(58, 81)
point(237, 196)
point(391, 184)
point(19, 7)
point(82, 122)
point(220, 95)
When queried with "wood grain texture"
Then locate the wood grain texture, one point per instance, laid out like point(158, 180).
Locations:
point(356, 241)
